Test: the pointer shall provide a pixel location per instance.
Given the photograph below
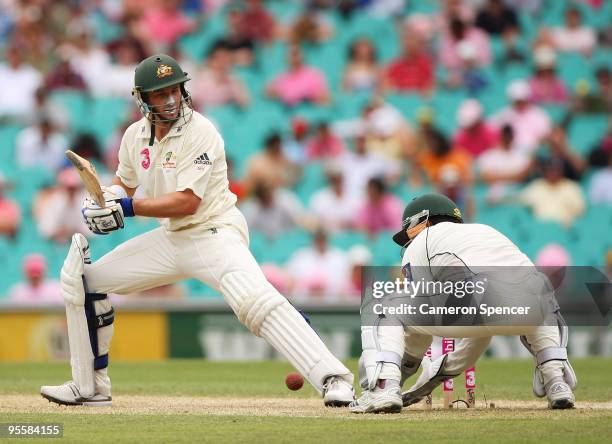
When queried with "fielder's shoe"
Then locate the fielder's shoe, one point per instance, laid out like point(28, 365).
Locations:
point(559, 395)
point(68, 394)
point(378, 401)
point(337, 392)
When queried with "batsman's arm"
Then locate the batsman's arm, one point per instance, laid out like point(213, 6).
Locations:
point(175, 204)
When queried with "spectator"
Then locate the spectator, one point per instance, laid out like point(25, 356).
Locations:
point(257, 23)
point(559, 148)
point(278, 277)
point(545, 86)
point(413, 71)
point(553, 255)
point(360, 165)
point(46, 107)
point(504, 164)
point(600, 192)
point(318, 270)
point(469, 76)
point(574, 37)
point(310, 27)
point(381, 211)
point(333, 206)
point(240, 46)
point(274, 211)
point(10, 213)
point(530, 123)
point(438, 154)
point(271, 166)
point(453, 187)
point(324, 144)
point(475, 135)
point(236, 186)
point(386, 131)
point(90, 60)
point(165, 23)
point(295, 147)
point(20, 82)
point(496, 18)
point(120, 73)
point(36, 289)
point(359, 256)
point(301, 83)
point(459, 33)
point(598, 157)
point(63, 76)
point(361, 72)
point(60, 216)
point(554, 198)
point(41, 145)
point(598, 101)
point(215, 85)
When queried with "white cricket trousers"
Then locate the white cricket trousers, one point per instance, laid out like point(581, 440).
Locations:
point(220, 258)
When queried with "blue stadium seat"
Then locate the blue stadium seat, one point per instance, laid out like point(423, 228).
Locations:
point(587, 131)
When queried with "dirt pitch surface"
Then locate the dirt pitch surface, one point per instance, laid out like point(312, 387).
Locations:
point(266, 407)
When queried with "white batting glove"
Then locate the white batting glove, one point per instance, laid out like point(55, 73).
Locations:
point(103, 220)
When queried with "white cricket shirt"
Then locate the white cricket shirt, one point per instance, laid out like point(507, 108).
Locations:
point(190, 156)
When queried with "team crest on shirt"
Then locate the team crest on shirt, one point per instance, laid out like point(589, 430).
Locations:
point(169, 160)
point(164, 71)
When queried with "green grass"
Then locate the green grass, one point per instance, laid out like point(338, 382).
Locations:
point(497, 380)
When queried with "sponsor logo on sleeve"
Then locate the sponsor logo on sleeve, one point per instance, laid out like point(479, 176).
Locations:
point(202, 160)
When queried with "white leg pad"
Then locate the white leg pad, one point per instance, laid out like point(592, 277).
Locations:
point(81, 356)
point(383, 348)
point(265, 312)
point(89, 341)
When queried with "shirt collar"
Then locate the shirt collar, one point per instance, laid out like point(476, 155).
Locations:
point(144, 129)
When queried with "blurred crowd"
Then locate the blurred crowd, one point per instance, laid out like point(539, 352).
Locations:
point(519, 152)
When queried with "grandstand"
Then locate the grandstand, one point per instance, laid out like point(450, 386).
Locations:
point(587, 240)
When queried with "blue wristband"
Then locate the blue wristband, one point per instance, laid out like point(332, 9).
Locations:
point(127, 206)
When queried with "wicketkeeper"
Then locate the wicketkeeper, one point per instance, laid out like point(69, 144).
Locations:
point(435, 237)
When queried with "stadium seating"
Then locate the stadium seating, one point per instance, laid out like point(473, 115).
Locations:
point(244, 131)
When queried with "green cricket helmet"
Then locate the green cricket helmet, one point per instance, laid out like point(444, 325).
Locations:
point(157, 72)
point(423, 208)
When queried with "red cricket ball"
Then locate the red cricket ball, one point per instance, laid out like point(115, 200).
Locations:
point(294, 381)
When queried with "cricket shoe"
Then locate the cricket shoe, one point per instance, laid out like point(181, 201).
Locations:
point(68, 394)
point(378, 401)
point(337, 392)
point(559, 395)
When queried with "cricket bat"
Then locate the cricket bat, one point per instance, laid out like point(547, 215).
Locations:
point(89, 177)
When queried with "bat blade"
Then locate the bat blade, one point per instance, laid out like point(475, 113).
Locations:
point(89, 177)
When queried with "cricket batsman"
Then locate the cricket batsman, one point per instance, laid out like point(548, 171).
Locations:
point(177, 158)
point(434, 235)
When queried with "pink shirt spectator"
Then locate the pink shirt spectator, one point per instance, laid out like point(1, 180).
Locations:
point(325, 147)
point(304, 83)
point(449, 49)
point(10, 217)
point(36, 289)
point(477, 140)
point(164, 26)
point(551, 90)
point(530, 125)
point(47, 292)
point(383, 215)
